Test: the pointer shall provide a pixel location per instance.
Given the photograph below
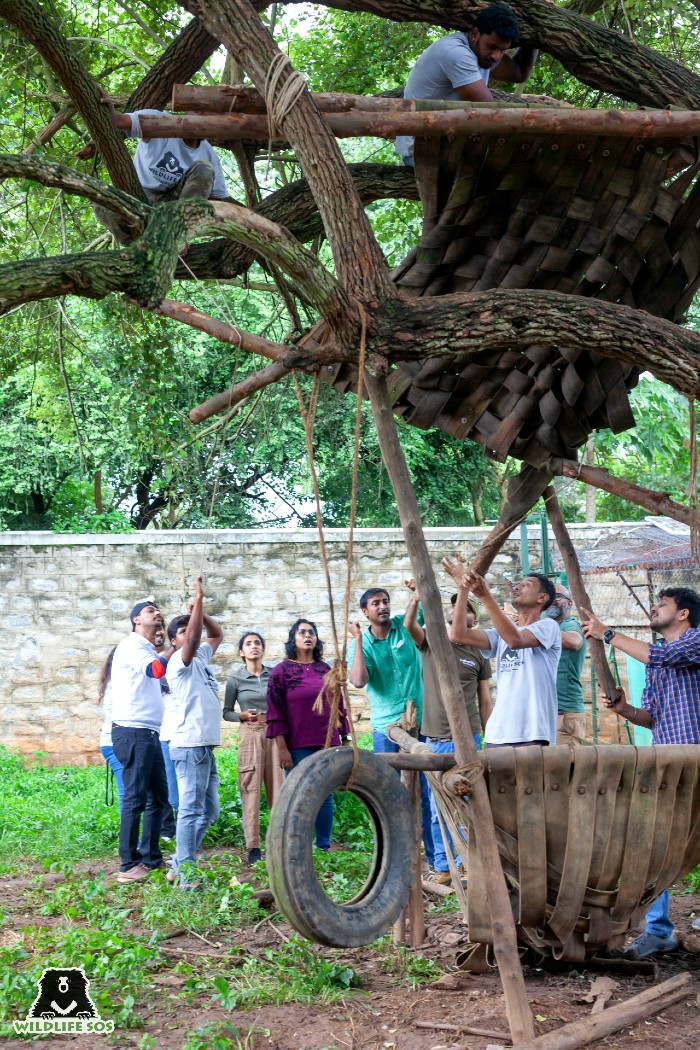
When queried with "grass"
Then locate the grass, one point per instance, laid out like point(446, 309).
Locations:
point(52, 818)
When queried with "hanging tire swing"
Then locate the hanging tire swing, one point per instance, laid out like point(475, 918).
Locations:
point(293, 880)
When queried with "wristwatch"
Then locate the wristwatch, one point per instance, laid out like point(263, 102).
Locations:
point(609, 635)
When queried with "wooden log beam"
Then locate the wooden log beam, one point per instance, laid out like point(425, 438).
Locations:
point(435, 763)
point(226, 400)
point(597, 1026)
point(654, 502)
point(224, 98)
point(505, 941)
point(578, 589)
point(641, 124)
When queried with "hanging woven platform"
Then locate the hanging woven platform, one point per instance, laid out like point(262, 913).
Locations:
point(588, 837)
point(582, 215)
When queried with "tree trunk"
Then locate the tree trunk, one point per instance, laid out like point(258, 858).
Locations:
point(589, 517)
point(654, 502)
point(505, 942)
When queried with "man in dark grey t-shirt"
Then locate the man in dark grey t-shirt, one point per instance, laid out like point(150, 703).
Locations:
point(457, 67)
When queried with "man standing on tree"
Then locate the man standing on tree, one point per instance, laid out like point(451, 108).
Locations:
point(388, 664)
point(526, 654)
point(137, 713)
point(571, 717)
point(168, 169)
point(457, 67)
point(670, 708)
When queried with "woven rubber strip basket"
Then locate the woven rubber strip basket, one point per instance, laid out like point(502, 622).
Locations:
point(588, 837)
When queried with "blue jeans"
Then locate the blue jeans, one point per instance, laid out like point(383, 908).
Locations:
point(383, 745)
point(169, 812)
point(116, 767)
point(198, 789)
point(443, 747)
point(323, 824)
point(658, 917)
point(145, 792)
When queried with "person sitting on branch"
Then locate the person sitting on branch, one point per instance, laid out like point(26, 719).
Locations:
point(168, 169)
point(457, 67)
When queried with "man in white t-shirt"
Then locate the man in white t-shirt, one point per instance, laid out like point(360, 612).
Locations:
point(168, 169)
point(457, 67)
point(527, 656)
point(137, 713)
point(193, 726)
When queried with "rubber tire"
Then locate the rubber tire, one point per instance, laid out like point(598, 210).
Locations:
point(289, 849)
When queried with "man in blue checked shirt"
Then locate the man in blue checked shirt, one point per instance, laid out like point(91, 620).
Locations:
point(670, 708)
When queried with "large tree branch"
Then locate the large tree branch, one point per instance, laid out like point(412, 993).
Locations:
point(293, 206)
point(654, 502)
point(436, 326)
point(223, 402)
point(49, 173)
point(594, 54)
point(185, 56)
point(42, 31)
point(358, 259)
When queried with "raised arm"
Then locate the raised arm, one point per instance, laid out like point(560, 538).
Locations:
point(459, 613)
point(410, 617)
point(514, 637)
point(358, 671)
point(515, 69)
point(193, 632)
point(215, 635)
point(595, 628)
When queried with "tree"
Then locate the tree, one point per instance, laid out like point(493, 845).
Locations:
point(355, 294)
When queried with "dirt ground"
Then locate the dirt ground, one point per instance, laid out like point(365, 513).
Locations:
point(380, 1015)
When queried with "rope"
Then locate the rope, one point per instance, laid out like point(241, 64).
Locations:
point(279, 100)
point(335, 682)
point(693, 485)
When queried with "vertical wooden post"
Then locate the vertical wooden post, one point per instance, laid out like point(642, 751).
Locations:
point(416, 916)
point(578, 589)
point(505, 943)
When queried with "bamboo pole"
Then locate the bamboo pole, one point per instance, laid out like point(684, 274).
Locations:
point(505, 942)
point(578, 590)
point(642, 124)
point(622, 1015)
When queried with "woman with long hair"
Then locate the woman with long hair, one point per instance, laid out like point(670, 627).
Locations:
point(257, 758)
point(297, 728)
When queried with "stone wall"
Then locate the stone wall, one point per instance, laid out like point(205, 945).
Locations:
point(68, 597)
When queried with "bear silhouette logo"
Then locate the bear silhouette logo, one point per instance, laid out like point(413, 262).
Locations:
point(63, 993)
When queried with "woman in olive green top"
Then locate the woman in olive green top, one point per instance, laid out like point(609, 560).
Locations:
point(257, 758)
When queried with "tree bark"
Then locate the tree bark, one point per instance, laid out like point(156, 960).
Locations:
point(42, 31)
point(178, 63)
point(654, 502)
point(578, 590)
point(641, 124)
point(225, 401)
point(505, 942)
point(358, 259)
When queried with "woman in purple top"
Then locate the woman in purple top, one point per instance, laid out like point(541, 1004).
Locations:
point(299, 731)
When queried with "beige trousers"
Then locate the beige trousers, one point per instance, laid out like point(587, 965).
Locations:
point(571, 727)
point(258, 764)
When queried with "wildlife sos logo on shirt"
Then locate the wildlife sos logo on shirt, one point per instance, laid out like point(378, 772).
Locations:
point(63, 1005)
point(168, 169)
point(510, 660)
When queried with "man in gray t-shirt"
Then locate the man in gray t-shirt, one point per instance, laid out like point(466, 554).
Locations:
point(527, 656)
point(457, 67)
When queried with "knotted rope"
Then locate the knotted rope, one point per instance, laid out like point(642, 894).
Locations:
point(280, 97)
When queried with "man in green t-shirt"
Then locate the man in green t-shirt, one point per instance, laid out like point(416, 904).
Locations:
point(388, 665)
point(571, 717)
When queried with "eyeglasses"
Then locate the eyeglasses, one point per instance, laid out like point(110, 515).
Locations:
point(306, 631)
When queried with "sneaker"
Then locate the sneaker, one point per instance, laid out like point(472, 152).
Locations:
point(648, 944)
point(254, 855)
point(443, 878)
point(135, 874)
